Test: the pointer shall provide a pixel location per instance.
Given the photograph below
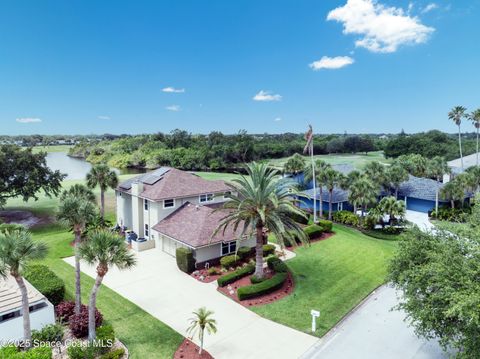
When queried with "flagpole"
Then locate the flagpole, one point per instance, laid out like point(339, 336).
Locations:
point(314, 184)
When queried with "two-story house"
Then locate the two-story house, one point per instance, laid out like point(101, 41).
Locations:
point(169, 208)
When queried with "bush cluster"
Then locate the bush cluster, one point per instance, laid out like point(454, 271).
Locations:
point(79, 351)
point(265, 287)
point(105, 337)
point(313, 231)
point(236, 275)
point(268, 249)
point(244, 252)
point(185, 260)
point(47, 282)
point(114, 354)
point(346, 217)
point(451, 214)
point(78, 323)
point(277, 265)
point(12, 352)
point(229, 261)
point(326, 225)
point(64, 310)
point(50, 333)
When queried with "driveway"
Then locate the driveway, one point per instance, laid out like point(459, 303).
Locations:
point(420, 219)
point(157, 286)
point(374, 331)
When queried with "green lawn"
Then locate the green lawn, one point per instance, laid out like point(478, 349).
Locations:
point(332, 276)
point(218, 175)
point(357, 160)
point(53, 148)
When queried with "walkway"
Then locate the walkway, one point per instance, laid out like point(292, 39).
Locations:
point(375, 331)
point(420, 219)
point(157, 286)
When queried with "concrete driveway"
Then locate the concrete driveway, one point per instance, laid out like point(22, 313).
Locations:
point(374, 331)
point(420, 219)
point(157, 286)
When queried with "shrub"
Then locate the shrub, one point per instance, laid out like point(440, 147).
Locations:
point(254, 279)
point(185, 260)
point(9, 351)
point(265, 287)
point(326, 225)
point(36, 353)
point(244, 252)
point(313, 231)
point(64, 311)
point(47, 282)
point(451, 214)
point(78, 323)
point(212, 271)
point(234, 276)
point(300, 219)
point(268, 249)
point(369, 222)
point(105, 338)
point(49, 333)
point(80, 351)
point(277, 265)
point(229, 261)
point(114, 354)
point(346, 217)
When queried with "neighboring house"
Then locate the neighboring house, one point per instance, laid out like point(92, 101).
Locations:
point(168, 208)
point(11, 319)
point(339, 200)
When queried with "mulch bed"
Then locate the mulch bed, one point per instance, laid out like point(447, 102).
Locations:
point(202, 275)
point(280, 293)
point(189, 350)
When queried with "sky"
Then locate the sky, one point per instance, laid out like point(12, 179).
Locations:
point(355, 66)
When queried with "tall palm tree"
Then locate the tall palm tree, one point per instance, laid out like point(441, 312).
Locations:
point(456, 115)
point(437, 167)
point(17, 249)
point(474, 174)
point(320, 168)
point(475, 118)
point(362, 193)
point(76, 212)
point(376, 172)
point(262, 200)
point(202, 320)
point(453, 191)
point(294, 164)
point(396, 175)
point(79, 190)
point(105, 250)
point(332, 179)
point(101, 175)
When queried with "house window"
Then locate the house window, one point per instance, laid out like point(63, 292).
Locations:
point(168, 203)
point(226, 194)
point(228, 247)
point(206, 197)
point(146, 231)
point(145, 204)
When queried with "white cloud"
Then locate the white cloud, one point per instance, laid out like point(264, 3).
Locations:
point(174, 108)
point(331, 63)
point(266, 96)
point(382, 28)
point(277, 119)
point(28, 120)
point(173, 90)
point(104, 117)
point(429, 7)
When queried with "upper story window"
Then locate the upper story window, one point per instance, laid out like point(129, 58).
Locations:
point(168, 203)
point(229, 247)
point(206, 197)
point(146, 231)
point(145, 204)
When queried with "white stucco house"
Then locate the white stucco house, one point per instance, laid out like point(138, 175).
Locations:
point(169, 208)
point(11, 318)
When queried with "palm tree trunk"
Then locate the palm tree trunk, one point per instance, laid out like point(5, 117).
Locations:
point(201, 341)
point(321, 201)
point(452, 203)
point(259, 253)
point(102, 203)
point(460, 145)
point(436, 201)
point(478, 128)
point(91, 308)
point(78, 289)
point(330, 207)
point(27, 332)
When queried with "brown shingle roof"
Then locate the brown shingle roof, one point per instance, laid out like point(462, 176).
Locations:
point(194, 225)
point(167, 182)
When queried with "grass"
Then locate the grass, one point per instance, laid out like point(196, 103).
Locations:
point(332, 276)
point(218, 176)
point(358, 160)
point(53, 148)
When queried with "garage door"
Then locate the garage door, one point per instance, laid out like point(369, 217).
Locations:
point(170, 246)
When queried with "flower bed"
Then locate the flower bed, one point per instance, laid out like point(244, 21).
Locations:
point(189, 350)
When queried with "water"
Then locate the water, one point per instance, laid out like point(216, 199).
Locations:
point(77, 168)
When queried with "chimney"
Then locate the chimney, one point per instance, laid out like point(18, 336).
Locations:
point(137, 188)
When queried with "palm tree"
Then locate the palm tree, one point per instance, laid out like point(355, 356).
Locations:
point(474, 174)
point(79, 190)
point(76, 212)
point(105, 250)
point(332, 179)
point(262, 200)
point(437, 167)
point(362, 192)
point(456, 115)
point(393, 207)
point(320, 168)
point(453, 191)
point(475, 118)
point(396, 175)
point(202, 320)
point(101, 175)
point(294, 164)
point(17, 249)
point(376, 172)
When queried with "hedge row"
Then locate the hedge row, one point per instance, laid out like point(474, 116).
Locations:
point(277, 265)
point(262, 288)
point(185, 260)
point(47, 282)
point(229, 261)
point(236, 275)
point(326, 225)
point(313, 231)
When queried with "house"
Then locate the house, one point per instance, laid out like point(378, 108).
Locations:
point(11, 319)
point(168, 208)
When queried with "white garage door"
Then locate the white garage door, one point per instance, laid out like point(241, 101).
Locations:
point(170, 246)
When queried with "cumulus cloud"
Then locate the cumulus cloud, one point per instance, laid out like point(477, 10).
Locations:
point(381, 28)
point(28, 120)
point(174, 108)
point(266, 96)
point(104, 117)
point(277, 119)
point(173, 90)
point(429, 7)
point(331, 63)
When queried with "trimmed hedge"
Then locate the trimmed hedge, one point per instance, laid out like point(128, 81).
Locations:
point(313, 231)
point(47, 282)
point(254, 279)
point(185, 260)
point(262, 288)
point(268, 249)
point(229, 261)
point(326, 225)
point(277, 265)
point(244, 252)
point(236, 275)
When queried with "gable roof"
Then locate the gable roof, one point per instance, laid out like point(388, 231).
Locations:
point(167, 182)
point(11, 297)
point(194, 225)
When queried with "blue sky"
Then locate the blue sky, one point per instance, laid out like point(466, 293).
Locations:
point(82, 67)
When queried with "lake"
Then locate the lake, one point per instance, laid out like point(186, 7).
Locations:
point(77, 168)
